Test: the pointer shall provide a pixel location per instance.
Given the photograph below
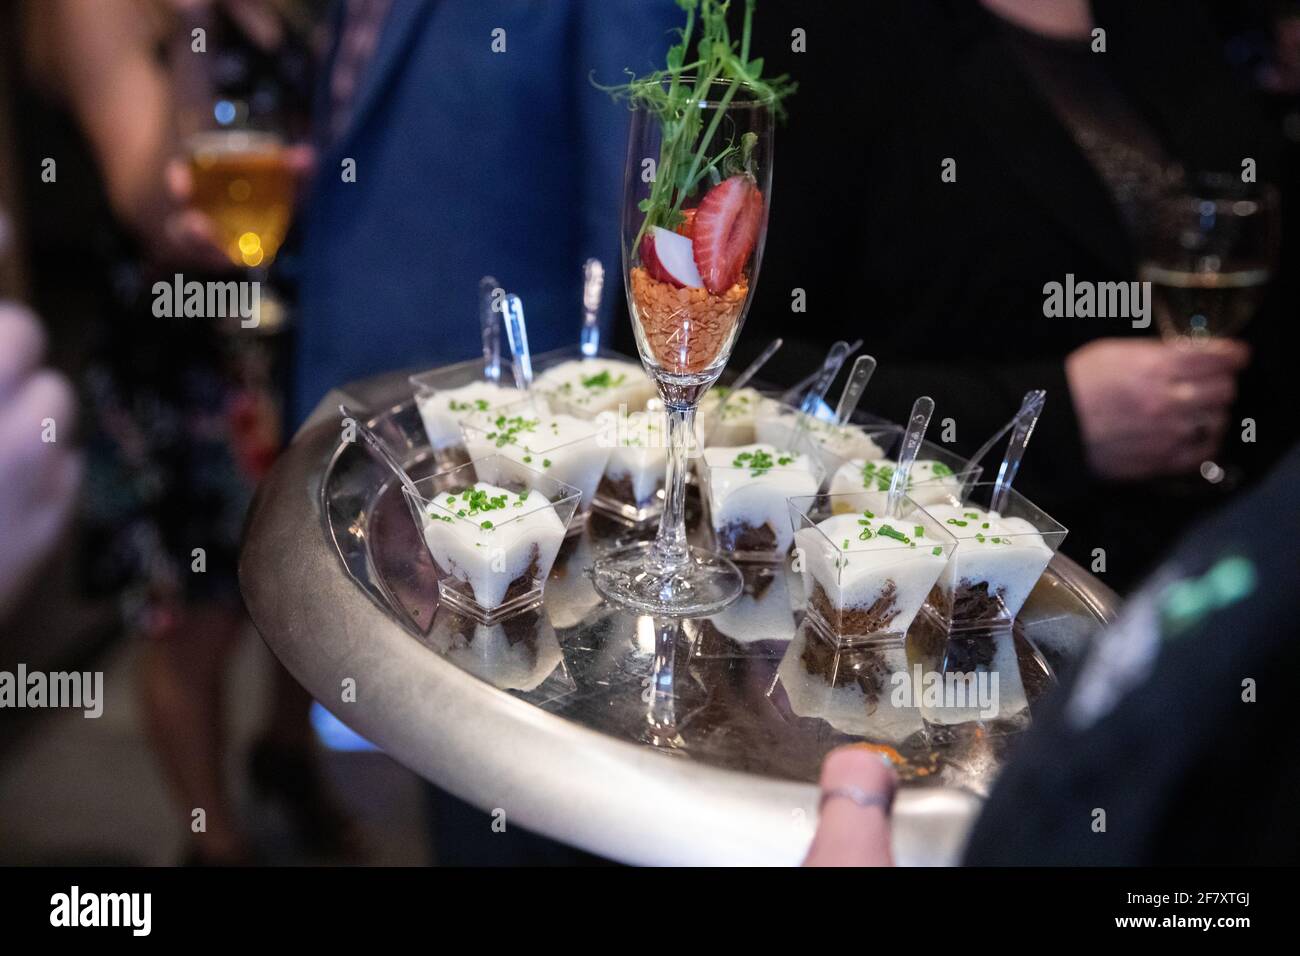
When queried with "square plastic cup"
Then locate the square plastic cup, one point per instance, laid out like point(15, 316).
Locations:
point(745, 505)
point(937, 474)
point(444, 402)
point(726, 417)
point(560, 446)
point(867, 573)
point(777, 424)
point(493, 528)
point(999, 557)
point(586, 387)
point(632, 488)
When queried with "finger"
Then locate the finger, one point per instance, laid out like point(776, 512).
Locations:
point(301, 158)
point(858, 766)
point(180, 183)
point(45, 399)
point(1212, 393)
point(1201, 359)
point(1201, 440)
point(22, 346)
point(849, 834)
point(194, 239)
point(36, 437)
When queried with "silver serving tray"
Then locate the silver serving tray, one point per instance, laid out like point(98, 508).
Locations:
point(651, 742)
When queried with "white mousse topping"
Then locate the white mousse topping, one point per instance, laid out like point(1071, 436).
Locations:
point(929, 481)
point(490, 537)
point(834, 444)
point(589, 386)
point(566, 448)
point(748, 486)
point(735, 425)
point(857, 558)
point(1008, 553)
point(442, 411)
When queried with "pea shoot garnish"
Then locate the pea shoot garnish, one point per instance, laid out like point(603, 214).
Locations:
point(675, 94)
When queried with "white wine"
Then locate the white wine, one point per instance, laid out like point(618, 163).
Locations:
point(1191, 304)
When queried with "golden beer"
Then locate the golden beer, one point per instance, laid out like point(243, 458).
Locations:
point(243, 182)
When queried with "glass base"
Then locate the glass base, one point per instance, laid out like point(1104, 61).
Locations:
point(631, 577)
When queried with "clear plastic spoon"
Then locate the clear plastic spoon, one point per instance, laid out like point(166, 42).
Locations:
point(1036, 396)
point(377, 447)
point(796, 391)
point(919, 421)
point(816, 395)
point(593, 285)
point(487, 317)
point(512, 309)
point(864, 366)
point(1025, 421)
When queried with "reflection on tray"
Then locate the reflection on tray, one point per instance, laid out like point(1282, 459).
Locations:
point(520, 654)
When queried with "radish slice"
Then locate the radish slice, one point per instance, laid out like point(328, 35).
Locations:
point(677, 256)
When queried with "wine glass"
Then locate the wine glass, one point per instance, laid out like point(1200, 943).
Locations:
point(244, 182)
point(697, 191)
point(1208, 252)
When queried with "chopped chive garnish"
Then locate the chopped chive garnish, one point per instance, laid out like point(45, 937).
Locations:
point(920, 531)
point(958, 523)
point(937, 551)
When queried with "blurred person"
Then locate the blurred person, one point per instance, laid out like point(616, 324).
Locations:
point(39, 477)
point(1058, 155)
point(457, 139)
point(182, 416)
point(1171, 724)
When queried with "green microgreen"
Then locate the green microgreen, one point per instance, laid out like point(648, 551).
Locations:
point(688, 152)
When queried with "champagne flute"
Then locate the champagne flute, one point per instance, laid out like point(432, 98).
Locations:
point(697, 191)
point(244, 182)
point(1209, 252)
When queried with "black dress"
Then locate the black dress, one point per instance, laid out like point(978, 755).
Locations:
point(178, 417)
point(944, 280)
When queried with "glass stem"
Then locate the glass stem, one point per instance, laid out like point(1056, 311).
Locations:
point(671, 549)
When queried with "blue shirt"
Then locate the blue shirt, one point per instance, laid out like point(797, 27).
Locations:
point(469, 162)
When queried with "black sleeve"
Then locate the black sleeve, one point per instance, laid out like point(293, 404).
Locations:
point(1170, 744)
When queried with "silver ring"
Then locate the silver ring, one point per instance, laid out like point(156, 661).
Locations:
point(859, 796)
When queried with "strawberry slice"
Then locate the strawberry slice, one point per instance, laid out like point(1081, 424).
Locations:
point(725, 231)
point(687, 226)
point(650, 259)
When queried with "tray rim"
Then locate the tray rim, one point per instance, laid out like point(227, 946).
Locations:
point(571, 782)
